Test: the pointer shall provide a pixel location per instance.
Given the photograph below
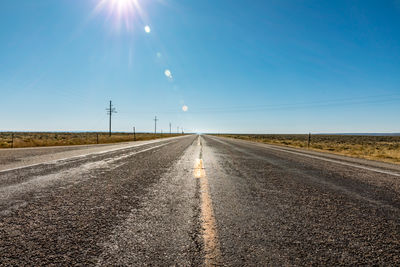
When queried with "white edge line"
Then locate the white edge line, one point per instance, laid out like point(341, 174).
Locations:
point(132, 154)
point(333, 161)
point(85, 155)
point(338, 162)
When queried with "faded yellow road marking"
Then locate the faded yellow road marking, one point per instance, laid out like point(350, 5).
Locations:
point(198, 169)
point(211, 242)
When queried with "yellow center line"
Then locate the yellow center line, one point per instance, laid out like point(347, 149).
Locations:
point(198, 169)
point(210, 236)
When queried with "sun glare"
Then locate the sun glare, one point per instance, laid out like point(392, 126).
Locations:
point(122, 12)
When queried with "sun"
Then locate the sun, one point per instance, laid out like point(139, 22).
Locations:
point(124, 13)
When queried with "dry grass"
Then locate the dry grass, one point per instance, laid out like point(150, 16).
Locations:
point(382, 148)
point(36, 139)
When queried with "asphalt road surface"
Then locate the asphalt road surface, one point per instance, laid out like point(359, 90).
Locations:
point(196, 201)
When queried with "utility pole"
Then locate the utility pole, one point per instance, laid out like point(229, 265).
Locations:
point(170, 128)
point(155, 124)
point(309, 140)
point(134, 133)
point(177, 129)
point(110, 111)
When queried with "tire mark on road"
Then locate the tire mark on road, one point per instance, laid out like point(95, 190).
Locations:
point(72, 175)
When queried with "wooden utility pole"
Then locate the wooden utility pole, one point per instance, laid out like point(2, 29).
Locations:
point(170, 128)
point(134, 133)
point(110, 111)
point(309, 140)
point(12, 140)
point(155, 124)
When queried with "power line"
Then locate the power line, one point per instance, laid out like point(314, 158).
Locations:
point(355, 101)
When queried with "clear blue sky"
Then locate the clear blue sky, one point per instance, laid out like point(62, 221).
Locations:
point(239, 66)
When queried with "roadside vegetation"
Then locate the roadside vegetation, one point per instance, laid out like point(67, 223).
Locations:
point(36, 139)
point(382, 148)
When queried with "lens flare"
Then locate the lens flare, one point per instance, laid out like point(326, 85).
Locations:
point(147, 29)
point(168, 74)
point(122, 12)
point(185, 108)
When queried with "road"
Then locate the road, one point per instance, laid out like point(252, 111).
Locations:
point(196, 201)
